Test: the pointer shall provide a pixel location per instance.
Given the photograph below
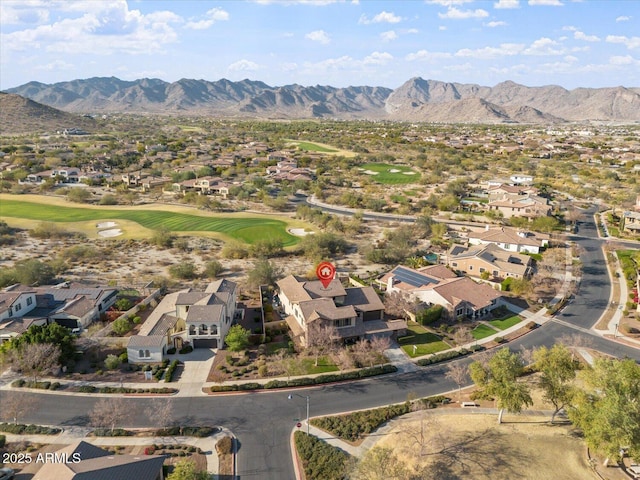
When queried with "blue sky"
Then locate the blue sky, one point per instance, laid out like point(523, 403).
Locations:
point(328, 42)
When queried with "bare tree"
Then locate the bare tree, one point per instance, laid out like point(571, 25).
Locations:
point(36, 359)
point(378, 345)
point(17, 404)
point(576, 341)
point(320, 338)
point(109, 412)
point(344, 359)
point(160, 413)
point(457, 373)
point(428, 436)
point(361, 350)
point(462, 335)
point(398, 305)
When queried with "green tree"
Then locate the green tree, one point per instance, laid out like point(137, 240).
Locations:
point(557, 372)
point(52, 333)
point(79, 195)
point(499, 379)
point(263, 273)
point(163, 238)
point(213, 269)
point(184, 271)
point(237, 338)
point(609, 411)
point(34, 272)
point(121, 326)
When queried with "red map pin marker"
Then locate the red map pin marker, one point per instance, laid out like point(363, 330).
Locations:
point(325, 272)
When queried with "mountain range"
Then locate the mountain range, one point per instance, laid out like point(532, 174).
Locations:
point(415, 100)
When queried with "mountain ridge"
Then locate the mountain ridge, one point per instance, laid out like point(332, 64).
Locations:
point(415, 100)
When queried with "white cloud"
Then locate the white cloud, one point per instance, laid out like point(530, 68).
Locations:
point(507, 4)
point(570, 59)
point(340, 63)
point(578, 35)
point(449, 3)
point(378, 58)
point(55, 66)
point(505, 49)
point(411, 30)
point(105, 28)
point(631, 43)
point(569, 28)
point(319, 36)
point(382, 17)
point(623, 18)
point(426, 55)
point(544, 46)
point(212, 16)
point(388, 36)
point(495, 24)
point(623, 60)
point(548, 3)
point(243, 66)
point(23, 13)
point(289, 67)
point(455, 14)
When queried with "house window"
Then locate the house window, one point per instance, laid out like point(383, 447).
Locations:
point(470, 267)
point(29, 300)
point(18, 307)
point(454, 264)
point(481, 270)
point(144, 354)
point(343, 322)
point(460, 311)
point(192, 330)
point(214, 330)
point(203, 329)
point(495, 273)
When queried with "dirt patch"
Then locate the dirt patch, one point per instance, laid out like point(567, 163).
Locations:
point(476, 447)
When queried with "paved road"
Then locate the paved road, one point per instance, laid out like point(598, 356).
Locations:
point(263, 421)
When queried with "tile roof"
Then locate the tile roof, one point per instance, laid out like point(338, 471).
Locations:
point(510, 235)
point(364, 299)
point(463, 289)
point(204, 313)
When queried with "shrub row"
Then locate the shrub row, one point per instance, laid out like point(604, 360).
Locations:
point(199, 432)
point(307, 381)
point(444, 356)
point(168, 375)
point(92, 389)
point(354, 426)
point(20, 429)
point(319, 459)
point(116, 432)
point(46, 385)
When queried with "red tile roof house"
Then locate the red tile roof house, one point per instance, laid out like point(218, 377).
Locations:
point(437, 285)
point(510, 239)
point(355, 312)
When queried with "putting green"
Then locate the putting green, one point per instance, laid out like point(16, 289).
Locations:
point(245, 228)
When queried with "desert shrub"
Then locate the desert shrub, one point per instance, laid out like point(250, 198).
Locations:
point(121, 326)
point(441, 357)
point(123, 357)
point(186, 349)
point(112, 362)
point(319, 459)
point(168, 377)
point(225, 445)
point(171, 351)
point(263, 370)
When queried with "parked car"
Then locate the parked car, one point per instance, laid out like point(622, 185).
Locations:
point(6, 473)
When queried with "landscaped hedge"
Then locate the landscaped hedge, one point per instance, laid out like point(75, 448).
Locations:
point(168, 376)
point(92, 389)
point(320, 460)
point(199, 432)
point(444, 356)
point(307, 381)
point(353, 426)
point(107, 432)
point(20, 429)
point(46, 385)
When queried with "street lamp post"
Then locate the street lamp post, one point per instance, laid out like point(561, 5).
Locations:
point(290, 397)
point(615, 332)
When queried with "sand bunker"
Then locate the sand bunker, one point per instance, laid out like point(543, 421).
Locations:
point(112, 232)
point(299, 232)
point(370, 172)
point(393, 170)
point(106, 225)
point(409, 173)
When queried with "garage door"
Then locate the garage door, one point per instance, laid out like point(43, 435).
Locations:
point(205, 343)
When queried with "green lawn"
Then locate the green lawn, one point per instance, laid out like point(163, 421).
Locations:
point(314, 147)
point(502, 323)
point(391, 174)
point(425, 341)
point(247, 229)
point(482, 331)
point(324, 366)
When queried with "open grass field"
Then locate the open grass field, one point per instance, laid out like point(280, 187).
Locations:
point(240, 227)
point(482, 331)
point(314, 147)
point(502, 323)
point(390, 174)
point(425, 341)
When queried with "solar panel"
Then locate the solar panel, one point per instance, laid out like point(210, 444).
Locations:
point(414, 279)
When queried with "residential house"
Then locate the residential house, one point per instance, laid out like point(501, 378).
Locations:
point(355, 312)
point(202, 318)
point(498, 192)
point(630, 222)
point(521, 179)
point(204, 186)
point(160, 330)
point(510, 239)
point(69, 304)
point(514, 205)
point(437, 285)
point(84, 461)
point(488, 261)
